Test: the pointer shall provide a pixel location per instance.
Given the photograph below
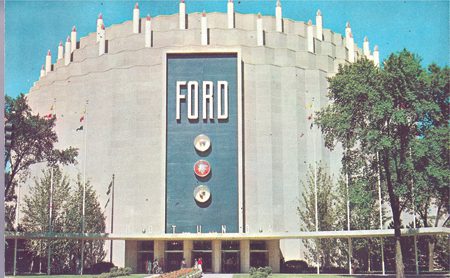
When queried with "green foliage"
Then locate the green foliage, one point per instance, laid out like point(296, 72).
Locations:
point(331, 216)
point(260, 272)
point(33, 142)
point(392, 121)
point(116, 272)
point(66, 218)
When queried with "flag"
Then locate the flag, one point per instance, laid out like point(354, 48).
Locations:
point(107, 202)
point(80, 128)
point(109, 188)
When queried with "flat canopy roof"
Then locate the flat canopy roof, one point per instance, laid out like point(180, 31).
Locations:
point(232, 236)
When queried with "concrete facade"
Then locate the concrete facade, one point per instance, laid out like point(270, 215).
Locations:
point(123, 92)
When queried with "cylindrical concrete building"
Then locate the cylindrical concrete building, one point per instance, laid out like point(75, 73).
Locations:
point(208, 138)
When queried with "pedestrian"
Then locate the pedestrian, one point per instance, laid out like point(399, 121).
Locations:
point(196, 263)
point(183, 263)
point(155, 265)
point(200, 264)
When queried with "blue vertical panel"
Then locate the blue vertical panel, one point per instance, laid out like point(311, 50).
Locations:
point(181, 208)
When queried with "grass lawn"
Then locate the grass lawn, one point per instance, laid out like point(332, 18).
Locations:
point(72, 276)
point(292, 275)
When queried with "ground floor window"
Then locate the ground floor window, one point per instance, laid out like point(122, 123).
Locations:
point(144, 256)
point(258, 254)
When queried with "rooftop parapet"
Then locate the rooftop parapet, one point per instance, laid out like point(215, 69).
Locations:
point(313, 34)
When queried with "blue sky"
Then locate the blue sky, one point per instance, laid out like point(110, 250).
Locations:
point(33, 27)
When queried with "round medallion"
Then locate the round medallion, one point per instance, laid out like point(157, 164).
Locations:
point(202, 168)
point(202, 194)
point(202, 143)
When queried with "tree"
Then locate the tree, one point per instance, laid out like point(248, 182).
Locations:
point(33, 142)
point(431, 163)
point(66, 218)
point(329, 217)
point(36, 213)
point(376, 111)
point(94, 223)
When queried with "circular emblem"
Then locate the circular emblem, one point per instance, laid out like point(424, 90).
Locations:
point(202, 143)
point(202, 194)
point(202, 168)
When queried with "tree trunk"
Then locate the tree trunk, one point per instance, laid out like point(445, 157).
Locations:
point(431, 245)
point(399, 267)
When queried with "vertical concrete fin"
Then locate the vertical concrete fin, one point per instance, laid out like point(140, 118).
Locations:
point(230, 14)
point(259, 31)
point(366, 48)
point(102, 42)
point(319, 26)
point(310, 36)
point(42, 71)
point(99, 25)
point(182, 14)
point(351, 48)
point(136, 19)
point(148, 31)
point(67, 53)
point(48, 62)
point(279, 17)
point(73, 39)
point(204, 28)
point(60, 50)
point(376, 56)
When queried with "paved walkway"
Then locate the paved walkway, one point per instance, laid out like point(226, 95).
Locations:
point(215, 275)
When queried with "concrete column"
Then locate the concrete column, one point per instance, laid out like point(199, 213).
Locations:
point(204, 29)
point(102, 41)
point(182, 14)
point(273, 247)
point(42, 71)
point(119, 253)
point(67, 54)
point(376, 56)
point(279, 17)
point(73, 39)
point(131, 254)
point(48, 62)
point(245, 255)
point(188, 245)
point(216, 256)
point(148, 31)
point(159, 248)
point(230, 14)
point(351, 48)
point(310, 36)
point(136, 18)
point(99, 26)
point(319, 27)
point(259, 31)
point(60, 51)
point(366, 48)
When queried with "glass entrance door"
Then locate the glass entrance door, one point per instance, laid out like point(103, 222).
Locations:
point(206, 258)
point(230, 262)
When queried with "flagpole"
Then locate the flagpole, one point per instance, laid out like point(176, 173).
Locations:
point(112, 220)
point(50, 228)
point(315, 189)
point(84, 187)
point(381, 214)
point(49, 258)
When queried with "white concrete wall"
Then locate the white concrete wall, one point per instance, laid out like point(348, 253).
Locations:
point(125, 128)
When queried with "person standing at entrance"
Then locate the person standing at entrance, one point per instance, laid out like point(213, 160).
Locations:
point(200, 264)
point(196, 263)
point(183, 263)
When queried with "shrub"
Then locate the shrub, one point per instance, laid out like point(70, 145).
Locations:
point(260, 272)
point(116, 272)
point(100, 267)
point(295, 266)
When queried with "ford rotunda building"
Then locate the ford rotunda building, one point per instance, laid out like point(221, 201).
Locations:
point(206, 122)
